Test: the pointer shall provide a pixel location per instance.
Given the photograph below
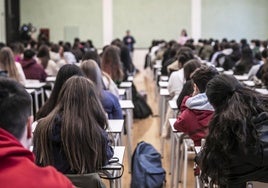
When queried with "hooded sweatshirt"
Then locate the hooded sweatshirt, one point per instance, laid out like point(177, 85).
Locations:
point(17, 167)
point(33, 70)
point(195, 115)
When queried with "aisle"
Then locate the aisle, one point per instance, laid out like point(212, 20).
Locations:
point(148, 129)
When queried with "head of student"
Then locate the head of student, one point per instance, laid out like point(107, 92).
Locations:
point(15, 110)
point(184, 54)
point(201, 76)
point(82, 120)
point(64, 73)
point(93, 72)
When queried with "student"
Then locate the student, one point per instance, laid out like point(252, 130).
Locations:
point(245, 63)
point(12, 68)
point(43, 58)
point(31, 68)
point(232, 154)
point(176, 79)
point(129, 41)
point(16, 161)
point(111, 63)
point(72, 136)
point(195, 110)
point(109, 101)
point(64, 73)
point(187, 89)
point(108, 83)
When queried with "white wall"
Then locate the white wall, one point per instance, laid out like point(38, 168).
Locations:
point(2, 22)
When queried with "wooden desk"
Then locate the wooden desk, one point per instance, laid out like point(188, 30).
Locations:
point(127, 106)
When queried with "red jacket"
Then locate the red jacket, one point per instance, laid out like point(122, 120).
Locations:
point(17, 167)
point(196, 113)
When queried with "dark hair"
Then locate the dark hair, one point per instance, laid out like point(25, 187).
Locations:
point(203, 75)
point(65, 72)
point(15, 107)
point(189, 68)
point(82, 125)
point(92, 55)
point(28, 54)
point(185, 54)
point(231, 127)
point(43, 55)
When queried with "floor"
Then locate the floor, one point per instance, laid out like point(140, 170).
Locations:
point(148, 129)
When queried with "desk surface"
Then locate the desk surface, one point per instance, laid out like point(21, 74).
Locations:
point(173, 104)
point(34, 85)
point(164, 92)
point(249, 83)
point(126, 104)
point(197, 149)
point(51, 79)
point(241, 77)
point(119, 153)
point(164, 78)
point(163, 83)
point(125, 84)
point(30, 91)
point(171, 122)
point(229, 72)
point(262, 91)
point(121, 91)
point(115, 125)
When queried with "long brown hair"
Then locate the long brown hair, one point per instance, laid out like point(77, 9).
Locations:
point(111, 63)
point(7, 63)
point(93, 72)
point(82, 122)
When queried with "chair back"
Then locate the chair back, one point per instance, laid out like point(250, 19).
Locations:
point(91, 180)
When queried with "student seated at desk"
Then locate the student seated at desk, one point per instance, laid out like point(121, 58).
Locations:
point(13, 69)
point(109, 101)
point(16, 161)
point(196, 111)
point(234, 152)
point(72, 137)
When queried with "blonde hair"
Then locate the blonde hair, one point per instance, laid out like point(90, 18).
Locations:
point(7, 63)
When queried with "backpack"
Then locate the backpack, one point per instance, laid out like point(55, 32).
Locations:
point(146, 167)
point(141, 108)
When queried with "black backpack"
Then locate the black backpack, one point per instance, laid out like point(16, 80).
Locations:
point(141, 108)
point(146, 167)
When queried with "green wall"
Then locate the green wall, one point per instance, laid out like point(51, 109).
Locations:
point(235, 19)
point(66, 19)
point(151, 19)
point(147, 19)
